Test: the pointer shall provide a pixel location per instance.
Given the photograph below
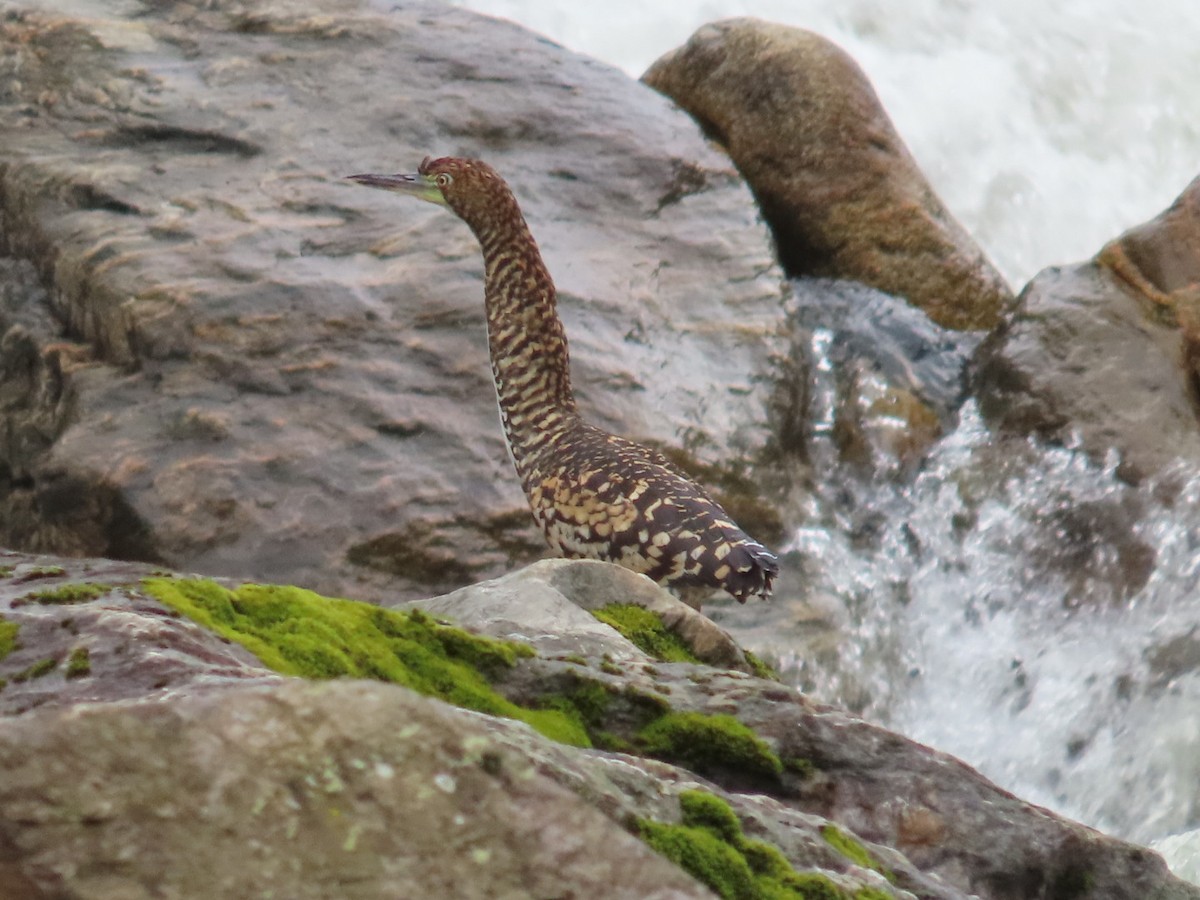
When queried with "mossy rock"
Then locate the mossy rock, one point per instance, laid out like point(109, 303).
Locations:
point(711, 745)
point(8, 637)
point(710, 846)
point(79, 663)
point(82, 592)
point(646, 631)
point(853, 850)
point(39, 669)
point(297, 632)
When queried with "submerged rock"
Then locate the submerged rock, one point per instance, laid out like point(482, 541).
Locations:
point(246, 781)
point(837, 185)
point(886, 381)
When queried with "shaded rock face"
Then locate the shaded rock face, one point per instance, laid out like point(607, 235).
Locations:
point(391, 795)
point(234, 361)
point(231, 781)
point(842, 194)
point(1105, 350)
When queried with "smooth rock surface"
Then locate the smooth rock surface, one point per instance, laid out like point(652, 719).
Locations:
point(836, 183)
point(289, 372)
point(1105, 350)
point(554, 598)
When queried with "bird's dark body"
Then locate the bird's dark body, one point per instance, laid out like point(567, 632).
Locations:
point(594, 495)
point(604, 497)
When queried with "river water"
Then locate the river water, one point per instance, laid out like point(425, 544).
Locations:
point(985, 605)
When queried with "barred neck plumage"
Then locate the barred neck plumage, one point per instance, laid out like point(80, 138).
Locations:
point(530, 361)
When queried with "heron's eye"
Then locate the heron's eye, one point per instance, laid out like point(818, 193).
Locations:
point(443, 179)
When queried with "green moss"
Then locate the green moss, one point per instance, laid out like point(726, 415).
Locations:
point(759, 668)
point(646, 631)
point(798, 765)
point(37, 670)
point(709, 744)
point(812, 886)
point(42, 572)
point(297, 632)
point(853, 850)
point(8, 636)
point(704, 810)
point(607, 740)
point(67, 593)
point(709, 844)
point(79, 663)
point(704, 856)
point(585, 705)
point(592, 700)
point(6, 571)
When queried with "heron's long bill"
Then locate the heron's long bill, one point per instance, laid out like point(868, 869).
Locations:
point(420, 186)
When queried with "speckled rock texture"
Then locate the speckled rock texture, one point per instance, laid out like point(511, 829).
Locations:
point(351, 790)
point(290, 373)
point(834, 180)
point(174, 764)
point(1106, 351)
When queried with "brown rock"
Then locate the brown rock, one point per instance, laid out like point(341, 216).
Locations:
point(1107, 350)
point(835, 182)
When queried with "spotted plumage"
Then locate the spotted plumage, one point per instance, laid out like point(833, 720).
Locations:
point(594, 495)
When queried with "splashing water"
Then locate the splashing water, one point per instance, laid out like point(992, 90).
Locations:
point(969, 627)
point(1016, 605)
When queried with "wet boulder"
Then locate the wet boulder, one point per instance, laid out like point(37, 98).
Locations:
point(1104, 351)
point(840, 190)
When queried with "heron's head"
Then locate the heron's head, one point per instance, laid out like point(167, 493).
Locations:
point(469, 187)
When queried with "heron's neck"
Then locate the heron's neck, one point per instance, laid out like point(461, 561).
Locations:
point(528, 346)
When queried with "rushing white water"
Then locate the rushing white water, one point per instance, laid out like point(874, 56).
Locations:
point(1026, 612)
point(1047, 128)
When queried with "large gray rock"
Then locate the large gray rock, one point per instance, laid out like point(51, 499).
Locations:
point(349, 790)
point(176, 765)
point(289, 373)
point(1105, 351)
